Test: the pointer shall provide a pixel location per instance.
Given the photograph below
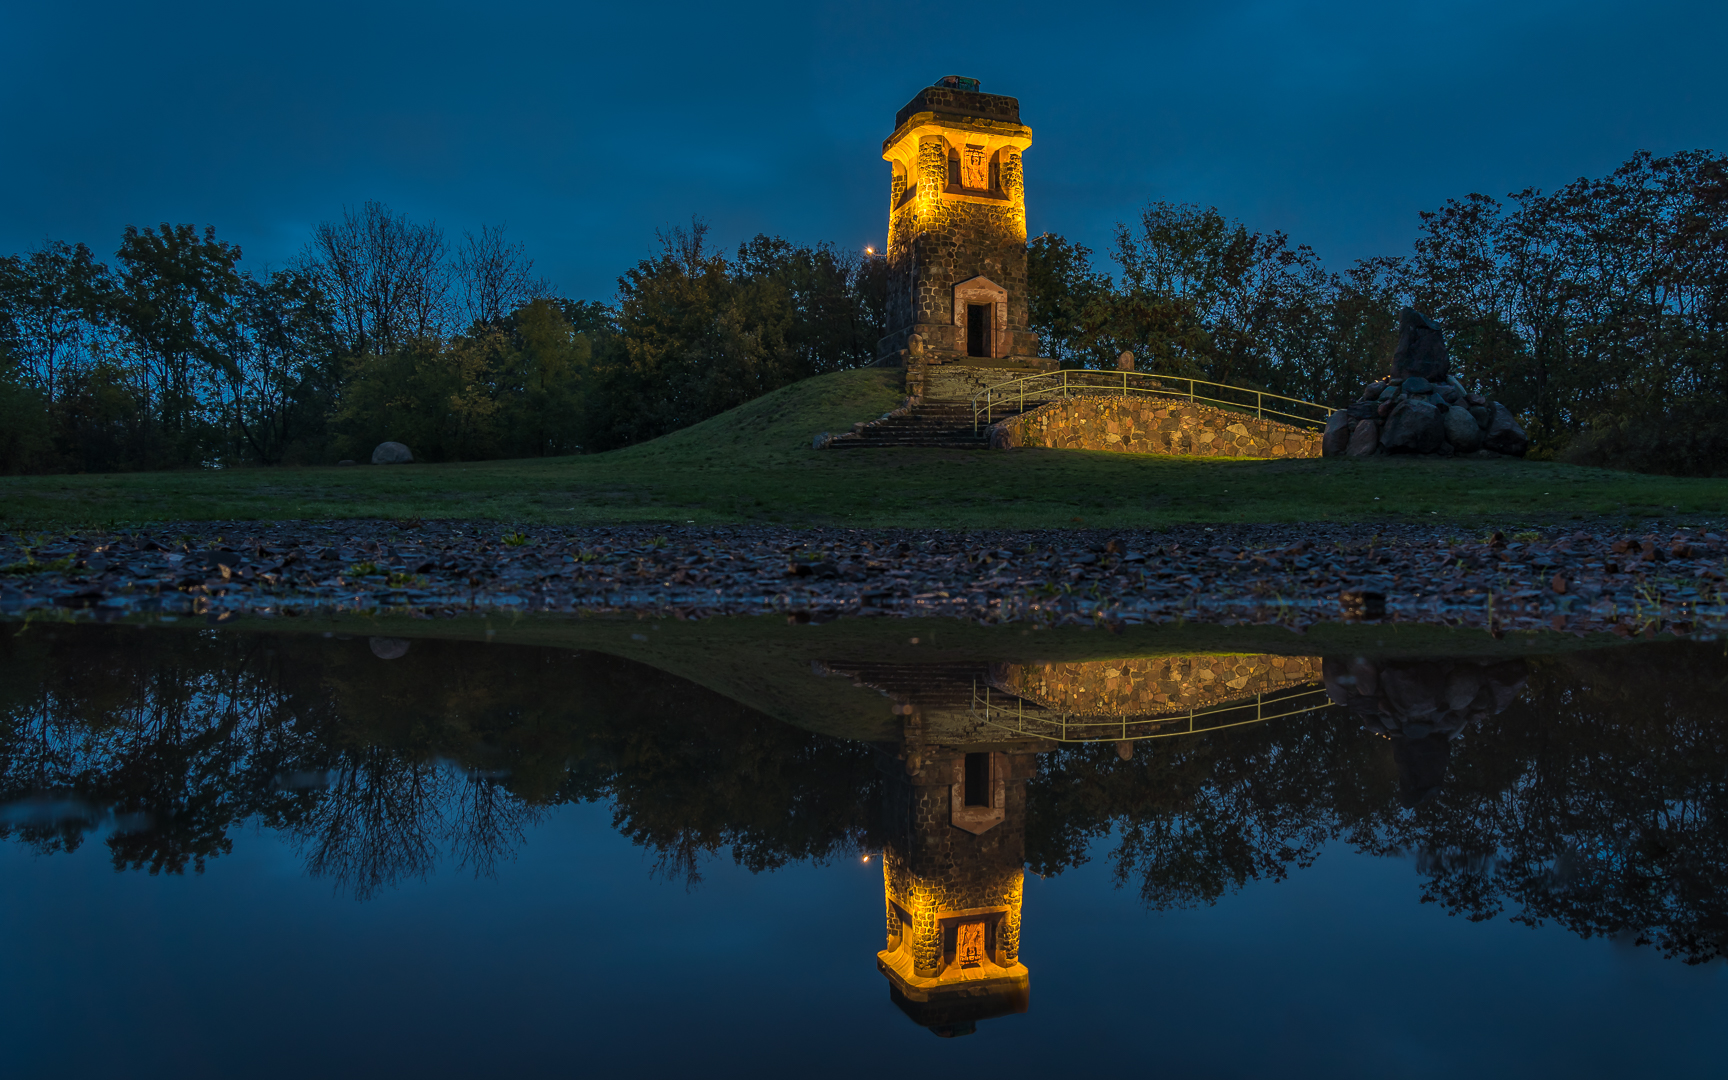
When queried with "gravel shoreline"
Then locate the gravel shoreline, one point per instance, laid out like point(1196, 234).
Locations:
point(1579, 580)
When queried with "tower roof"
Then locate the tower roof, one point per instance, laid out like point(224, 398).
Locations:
point(945, 101)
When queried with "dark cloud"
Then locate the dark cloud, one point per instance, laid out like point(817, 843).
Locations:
point(584, 127)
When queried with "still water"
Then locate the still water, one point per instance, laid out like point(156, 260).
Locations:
point(245, 853)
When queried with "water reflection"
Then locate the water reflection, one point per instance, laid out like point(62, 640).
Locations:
point(1586, 790)
point(1422, 706)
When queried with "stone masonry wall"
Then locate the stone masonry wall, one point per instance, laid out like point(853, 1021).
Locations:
point(937, 239)
point(1153, 685)
point(1149, 425)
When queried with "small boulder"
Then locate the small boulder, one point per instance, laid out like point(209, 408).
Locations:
point(1421, 348)
point(1337, 437)
point(1362, 410)
point(1416, 384)
point(345, 461)
point(1364, 441)
point(391, 453)
point(1413, 427)
point(1504, 435)
point(1461, 430)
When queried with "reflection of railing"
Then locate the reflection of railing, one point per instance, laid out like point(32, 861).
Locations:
point(1008, 713)
point(1050, 385)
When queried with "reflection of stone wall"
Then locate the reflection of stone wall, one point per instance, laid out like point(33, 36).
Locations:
point(1147, 425)
point(1152, 685)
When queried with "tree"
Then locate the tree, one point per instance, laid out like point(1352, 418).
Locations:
point(286, 376)
point(545, 372)
point(1060, 285)
point(1206, 297)
point(386, 278)
point(174, 304)
point(494, 276)
point(48, 301)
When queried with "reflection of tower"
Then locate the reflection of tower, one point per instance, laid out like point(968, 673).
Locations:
point(957, 225)
point(952, 872)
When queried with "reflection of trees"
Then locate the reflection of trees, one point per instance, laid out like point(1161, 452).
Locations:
point(378, 768)
point(686, 782)
point(377, 822)
point(488, 823)
point(169, 743)
point(1599, 802)
point(1197, 817)
point(1598, 799)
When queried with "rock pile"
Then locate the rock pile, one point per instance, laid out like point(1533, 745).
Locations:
point(1421, 408)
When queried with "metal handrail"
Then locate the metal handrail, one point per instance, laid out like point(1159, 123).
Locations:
point(1070, 382)
point(1065, 727)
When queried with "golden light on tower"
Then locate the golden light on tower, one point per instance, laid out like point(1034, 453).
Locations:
point(957, 227)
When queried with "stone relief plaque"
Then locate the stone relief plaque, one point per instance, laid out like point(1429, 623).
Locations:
point(974, 167)
point(969, 944)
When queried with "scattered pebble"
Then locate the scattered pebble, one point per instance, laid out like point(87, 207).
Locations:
point(1586, 580)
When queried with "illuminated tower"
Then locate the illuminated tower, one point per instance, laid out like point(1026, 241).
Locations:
point(957, 226)
point(952, 875)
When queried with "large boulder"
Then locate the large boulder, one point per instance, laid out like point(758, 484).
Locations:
point(1337, 437)
point(1462, 431)
point(391, 453)
point(1365, 440)
point(1414, 427)
point(1504, 435)
point(1421, 350)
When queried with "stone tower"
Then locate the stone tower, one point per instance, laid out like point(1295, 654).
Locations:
point(957, 227)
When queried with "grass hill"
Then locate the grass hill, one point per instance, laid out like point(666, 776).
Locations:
point(754, 464)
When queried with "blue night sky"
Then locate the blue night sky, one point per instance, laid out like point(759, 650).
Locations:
point(585, 127)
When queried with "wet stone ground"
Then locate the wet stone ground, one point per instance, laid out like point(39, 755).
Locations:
point(1585, 580)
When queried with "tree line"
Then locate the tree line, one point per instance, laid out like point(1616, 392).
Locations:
point(384, 328)
point(1596, 312)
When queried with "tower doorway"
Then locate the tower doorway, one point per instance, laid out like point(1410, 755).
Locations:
point(978, 329)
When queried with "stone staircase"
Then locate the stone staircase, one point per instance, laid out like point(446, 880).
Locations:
point(939, 424)
point(943, 419)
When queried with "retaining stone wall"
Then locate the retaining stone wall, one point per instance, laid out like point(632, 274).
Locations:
point(1149, 425)
point(1152, 685)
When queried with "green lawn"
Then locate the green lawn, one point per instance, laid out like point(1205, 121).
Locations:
point(755, 464)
